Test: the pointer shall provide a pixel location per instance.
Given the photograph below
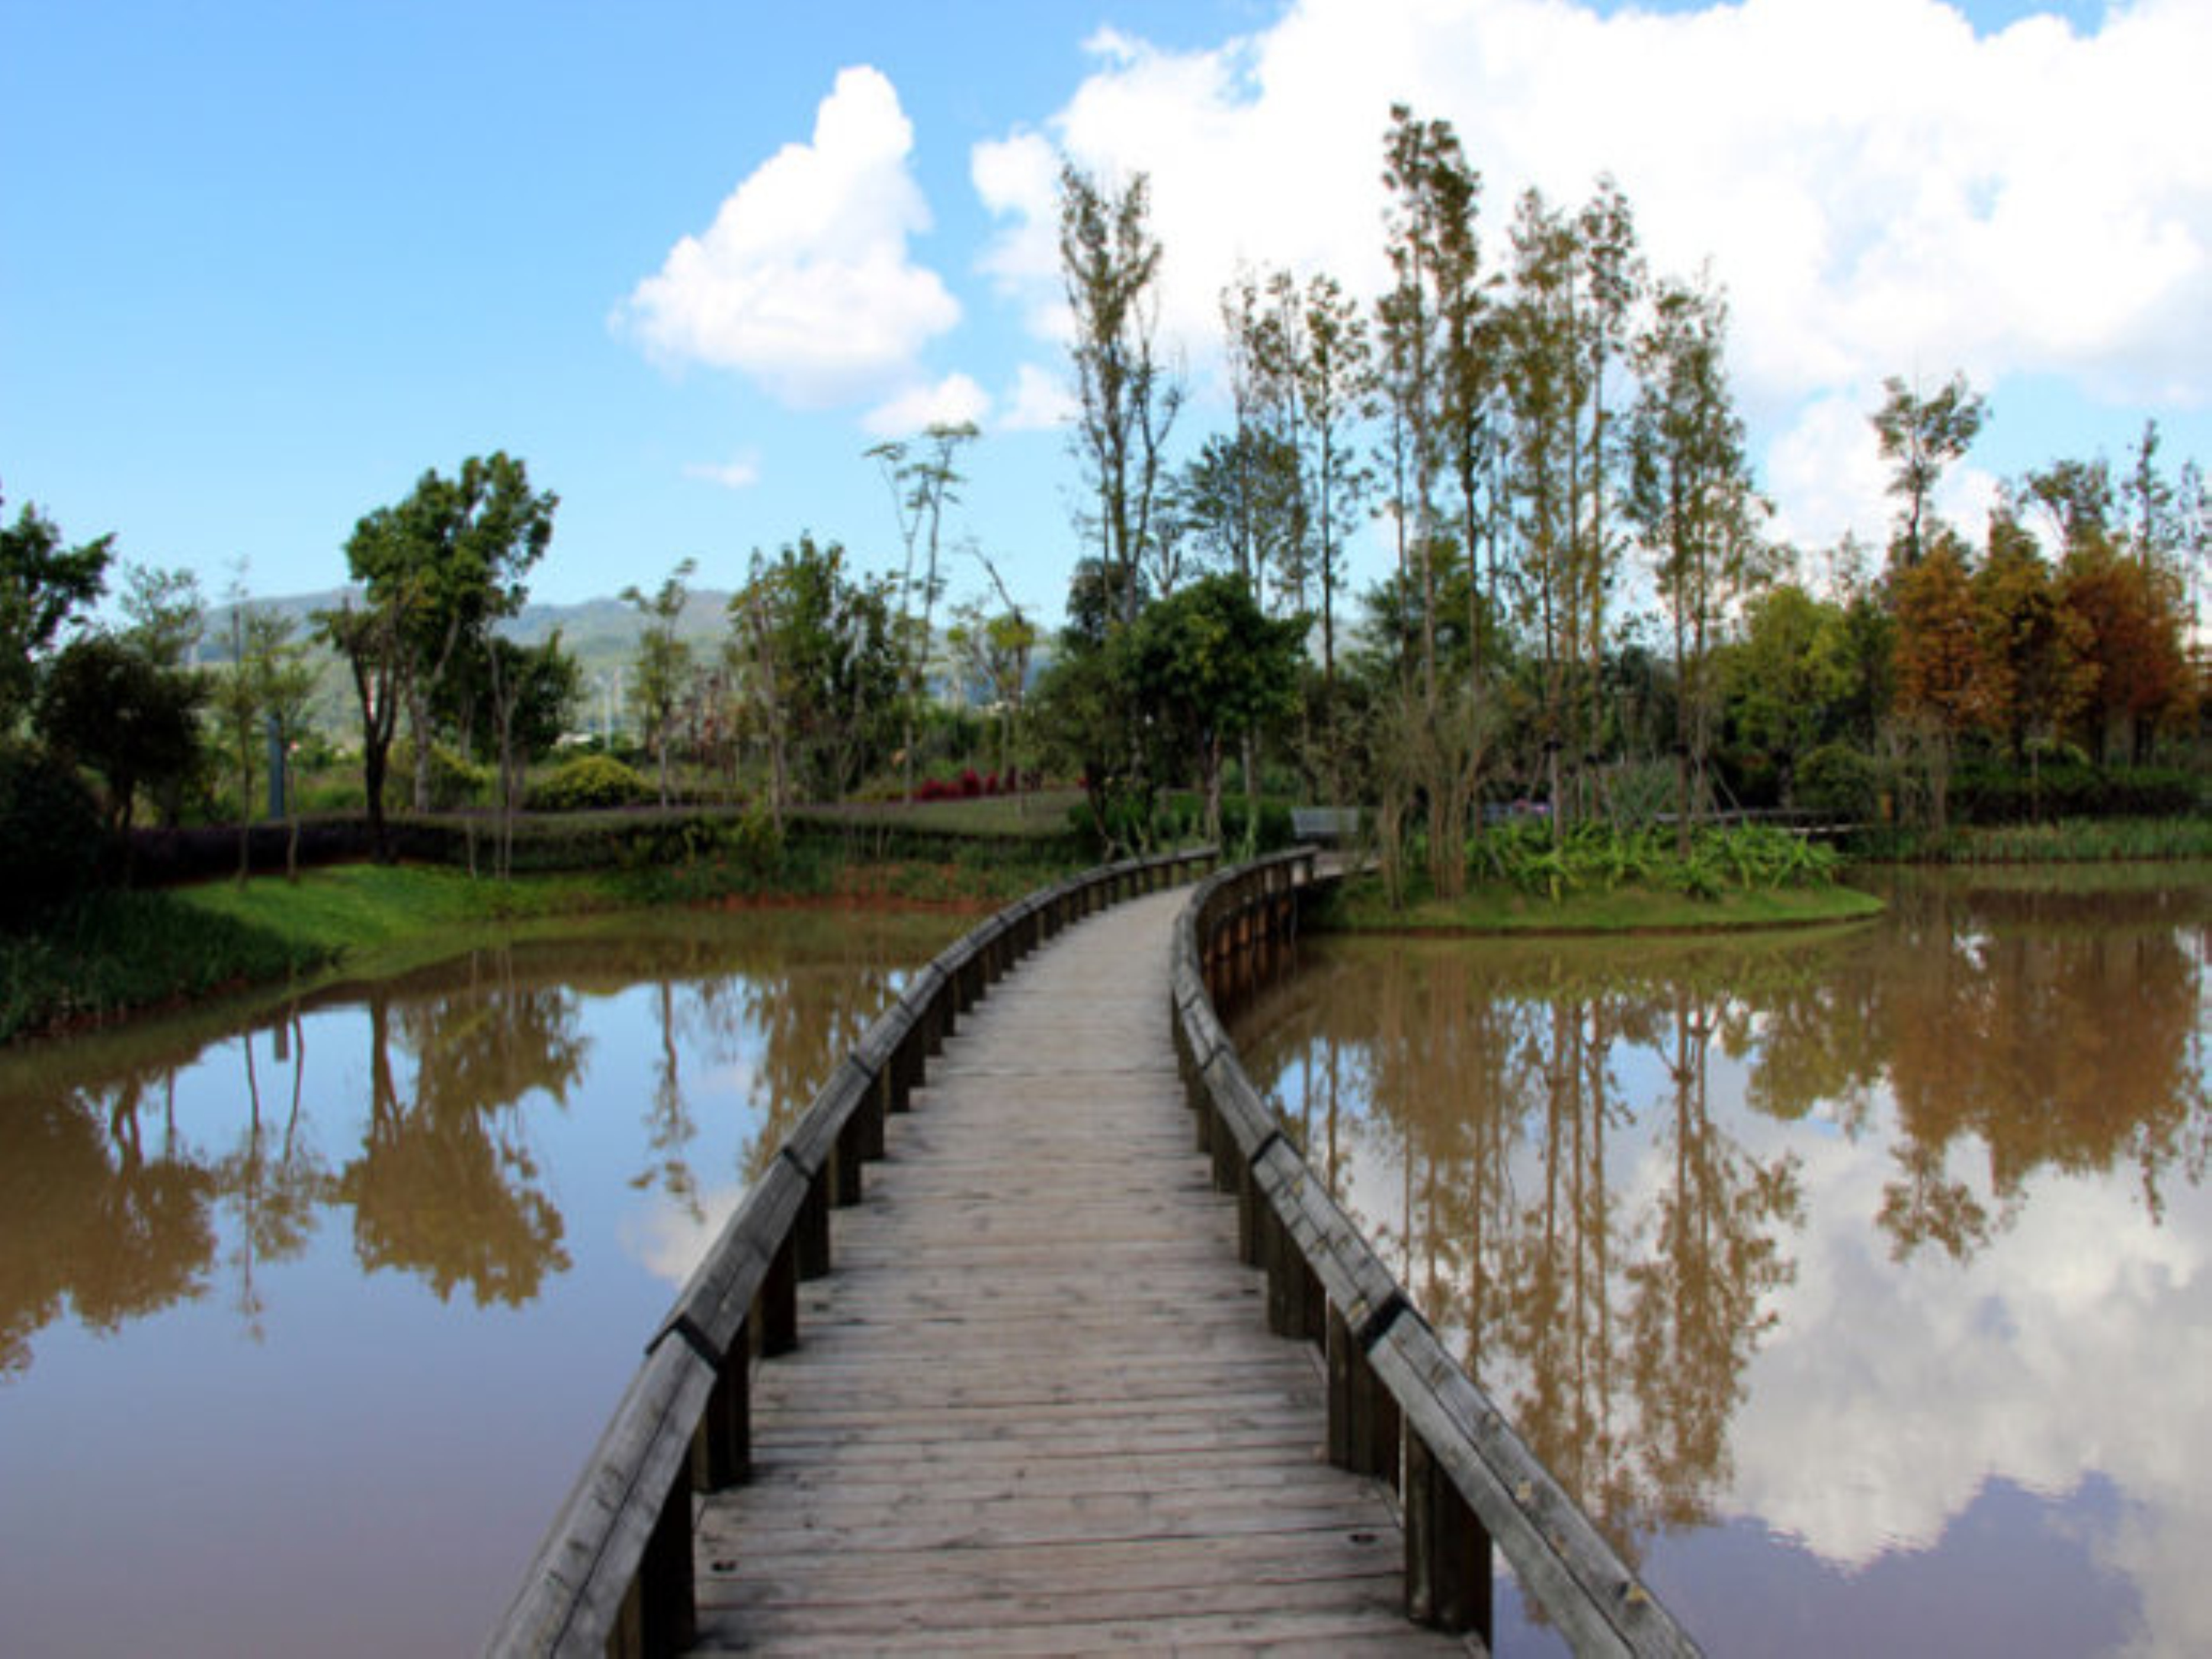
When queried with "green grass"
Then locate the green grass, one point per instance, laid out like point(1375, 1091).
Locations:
point(1041, 814)
point(2070, 840)
point(1362, 905)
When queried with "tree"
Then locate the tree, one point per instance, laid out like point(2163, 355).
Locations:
point(1944, 684)
point(1110, 265)
point(112, 708)
point(1432, 361)
point(823, 665)
point(1206, 666)
point(660, 672)
point(531, 689)
point(2035, 649)
point(1691, 501)
point(237, 699)
point(2132, 619)
point(370, 641)
point(164, 614)
point(1335, 382)
point(923, 484)
point(1920, 437)
point(446, 563)
point(284, 681)
point(43, 588)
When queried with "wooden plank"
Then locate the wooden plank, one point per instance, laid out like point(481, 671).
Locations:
point(1035, 1406)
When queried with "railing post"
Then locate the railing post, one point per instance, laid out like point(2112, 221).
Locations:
point(723, 1454)
point(810, 1232)
point(777, 1318)
point(1447, 1550)
point(1363, 1418)
point(660, 1616)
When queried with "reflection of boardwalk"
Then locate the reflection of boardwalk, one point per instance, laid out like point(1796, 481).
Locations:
point(1035, 1407)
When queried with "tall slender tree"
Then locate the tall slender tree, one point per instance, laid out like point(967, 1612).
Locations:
point(924, 479)
point(1921, 437)
point(1691, 501)
point(1128, 398)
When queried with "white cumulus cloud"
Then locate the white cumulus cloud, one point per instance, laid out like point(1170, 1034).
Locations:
point(804, 281)
point(949, 402)
point(1881, 190)
point(1040, 401)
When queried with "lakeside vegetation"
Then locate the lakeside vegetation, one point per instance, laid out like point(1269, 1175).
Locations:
point(114, 953)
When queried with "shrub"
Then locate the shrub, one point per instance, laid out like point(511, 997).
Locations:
point(588, 783)
point(1275, 831)
point(1984, 792)
point(55, 835)
point(1837, 781)
point(455, 780)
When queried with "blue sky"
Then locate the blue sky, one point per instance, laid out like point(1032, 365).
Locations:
point(263, 264)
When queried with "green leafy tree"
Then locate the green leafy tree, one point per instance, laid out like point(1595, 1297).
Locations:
point(369, 640)
point(1691, 504)
point(1127, 398)
point(43, 588)
point(1206, 666)
point(236, 698)
point(113, 710)
point(822, 664)
point(445, 564)
point(284, 683)
point(530, 691)
point(924, 480)
point(660, 672)
point(1920, 438)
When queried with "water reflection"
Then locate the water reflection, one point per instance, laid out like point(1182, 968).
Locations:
point(441, 1210)
point(1637, 1184)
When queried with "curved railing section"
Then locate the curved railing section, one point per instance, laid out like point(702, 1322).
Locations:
point(1400, 1407)
point(614, 1574)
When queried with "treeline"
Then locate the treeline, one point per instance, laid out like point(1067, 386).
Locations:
point(1586, 608)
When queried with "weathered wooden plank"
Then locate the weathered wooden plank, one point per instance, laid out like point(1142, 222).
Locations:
point(1010, 1389)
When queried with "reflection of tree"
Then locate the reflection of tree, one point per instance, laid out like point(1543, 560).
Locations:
point(669, 1126)
point(808, 1019)
point(443, 1184)
point(274, 1199)
point(2055, 1036)
point(1607, 1258)
point(88, 1217)
point(1492, 1091)
point(1695, 1313)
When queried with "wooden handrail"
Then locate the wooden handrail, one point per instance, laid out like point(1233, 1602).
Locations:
point(1400, 1406)
point(614, 1573)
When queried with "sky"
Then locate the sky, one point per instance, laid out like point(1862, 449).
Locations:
point(262, 267)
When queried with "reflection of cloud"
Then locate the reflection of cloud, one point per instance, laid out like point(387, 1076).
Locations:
point(670, 1239)
point(2074, 1346)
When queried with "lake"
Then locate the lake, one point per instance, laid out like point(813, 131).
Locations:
point(1854, 1281)
point(308, 1320)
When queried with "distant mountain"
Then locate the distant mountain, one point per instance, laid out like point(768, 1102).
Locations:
point(602, 635)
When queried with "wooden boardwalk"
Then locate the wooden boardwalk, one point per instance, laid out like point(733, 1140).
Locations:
point(1035, 1407)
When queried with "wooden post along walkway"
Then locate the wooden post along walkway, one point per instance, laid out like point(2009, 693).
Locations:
point(1036, 1407)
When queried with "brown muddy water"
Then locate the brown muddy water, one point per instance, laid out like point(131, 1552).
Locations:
point(308, 1322)
point(1857, 1283)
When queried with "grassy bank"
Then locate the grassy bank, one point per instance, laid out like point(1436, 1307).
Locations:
point(122, 952)
point(2070, 841)
point(1362, 905)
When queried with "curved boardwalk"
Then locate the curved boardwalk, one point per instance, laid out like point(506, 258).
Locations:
point(1035, 1407)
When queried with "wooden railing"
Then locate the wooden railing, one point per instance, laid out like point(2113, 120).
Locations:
point(1400, 1407)
point(614, 1574)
